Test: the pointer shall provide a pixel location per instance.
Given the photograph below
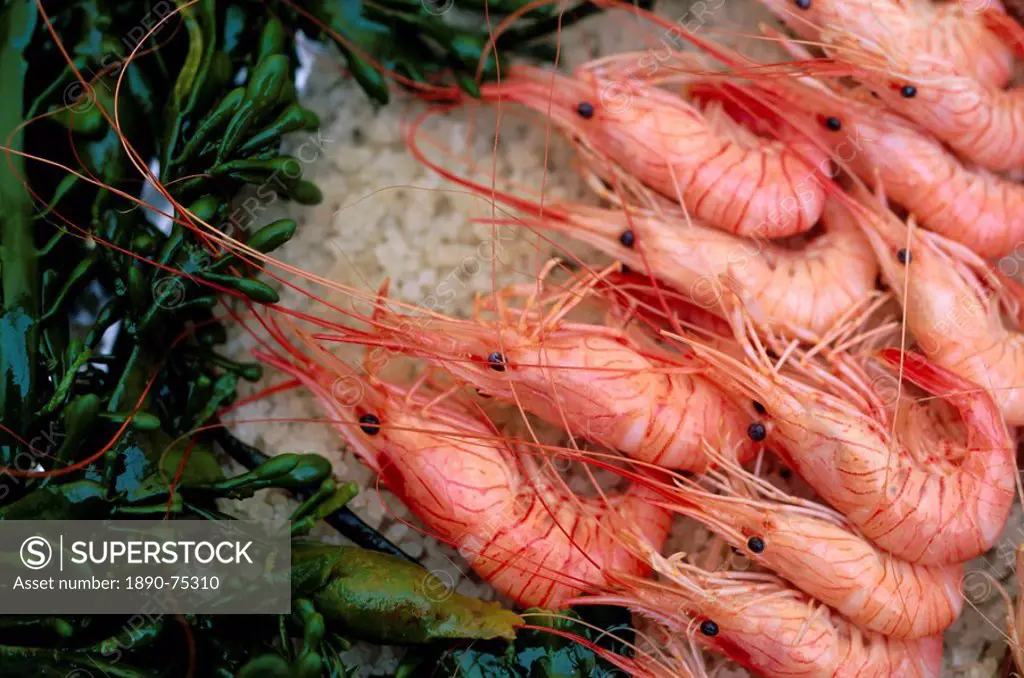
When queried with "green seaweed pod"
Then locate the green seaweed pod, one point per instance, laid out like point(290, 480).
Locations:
point(272, 40)
point(213, 122)
point(385, 599)
point(256, 290)
point(293, 118)
point(269, 81)
point(285, 470)
point(273, 235)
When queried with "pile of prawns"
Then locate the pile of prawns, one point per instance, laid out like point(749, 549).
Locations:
point(802, 275)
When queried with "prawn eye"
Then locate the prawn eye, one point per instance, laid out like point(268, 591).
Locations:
point(628, 238)
point(803, 4)
point(903, 255)
point(757, 431)
point(709, 628)
point(497, 361)
point(370, 424)
point(833, 123)
point(759, 407)
point(908, 91)
point(756, 544)
point(585, 109)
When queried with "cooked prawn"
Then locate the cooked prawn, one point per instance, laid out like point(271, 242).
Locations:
point(795, 291)
point(938, 500)
point(818, 551)
point(952, 306)
point(799, 289)
point(982, 210)
point(944, 32)
point(984, 125)
point(720, 172)
point(767, 627)
point(589, 379)
point(525, 534)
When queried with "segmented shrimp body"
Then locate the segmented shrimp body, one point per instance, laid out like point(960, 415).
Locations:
point(982, 210)
point(952, 310)
point(763, 625)
point(944, 32)
point(796, 291)
point(818, 552)
point(587, 379)
point(720, 172)
point(984, 125)
point(962, 39)
point(531, 540)
point(941, 505)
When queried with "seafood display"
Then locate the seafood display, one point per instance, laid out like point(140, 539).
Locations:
point(778, 320)
point(473, 490)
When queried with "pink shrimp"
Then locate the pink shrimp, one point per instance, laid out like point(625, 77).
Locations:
point(591, 380)
point(817, 551)
point(938, 500)
point(523, 532)
point(983, 211)
point(941, 31)
point(767, 627)
point(952, 307)
point(719, 171)
point(984, 125)
point(797, 289)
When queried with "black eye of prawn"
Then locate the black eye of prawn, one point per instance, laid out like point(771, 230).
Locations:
point(628, 238)
point(903, 255)
point(496, 361)
point(755, 544)
point(585, 109)
point(908, 91)
point(757, 431)
point(803, 4)
point(833, 123)
point(709, 628)
point(370, 424)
